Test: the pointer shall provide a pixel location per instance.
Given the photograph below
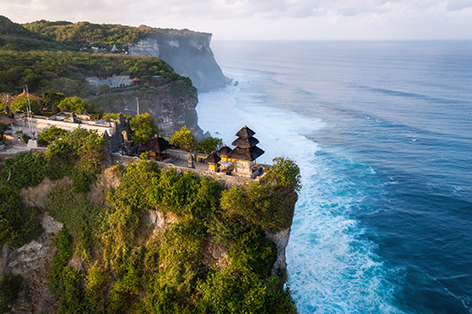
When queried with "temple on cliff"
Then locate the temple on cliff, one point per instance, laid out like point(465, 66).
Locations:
point(246, 151)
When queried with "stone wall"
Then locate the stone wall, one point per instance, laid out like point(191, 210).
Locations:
point(226, 181)
point(40, 124)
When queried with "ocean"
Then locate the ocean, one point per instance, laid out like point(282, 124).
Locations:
point(382, 132)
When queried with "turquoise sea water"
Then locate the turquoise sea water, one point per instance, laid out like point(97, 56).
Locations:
point(382, 132)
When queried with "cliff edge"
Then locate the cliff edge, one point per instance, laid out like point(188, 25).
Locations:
point(172, 106)
point(189, 53)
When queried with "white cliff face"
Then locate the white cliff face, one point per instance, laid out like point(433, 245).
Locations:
point(281, 240)
point(145, 47)
point(173, 43)
point(196, 45)
point(188, 54)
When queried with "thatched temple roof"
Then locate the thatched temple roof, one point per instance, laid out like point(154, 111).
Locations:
point(224, 151)
point(245, 142)
point(246, 148)
point(156, 144)
point(212, 158)
point(246, 154)
point(245, 132)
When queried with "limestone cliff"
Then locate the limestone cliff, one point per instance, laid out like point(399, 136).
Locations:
point(188, 52)
point(172, 106)
point(33, 260)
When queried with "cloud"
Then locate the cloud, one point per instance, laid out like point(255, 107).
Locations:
point(453, 5)
point(353, 18)
point(218, 9)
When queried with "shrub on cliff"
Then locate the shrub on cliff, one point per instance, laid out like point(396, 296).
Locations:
point(270, 202)
point(184, 194)
point(74, 104)
point(232, 291)
point(144, 128)
point(184, 139)
point(139, 269)
point(49, 135)
point(63, 241)
point(122, 220)
point(17, 226)
point(25, 170)
point(77, 214)
point(209, 144)
point(9, 289)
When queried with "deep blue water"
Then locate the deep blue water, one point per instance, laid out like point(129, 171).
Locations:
point(382, 132)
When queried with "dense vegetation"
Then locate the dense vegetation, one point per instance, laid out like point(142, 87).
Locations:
point(88, 32)
point(9, 289)
point(133, 268)
point(97, 33)
point(65, 72)
point(15, 37)
point(67, 36)
point(149, 272)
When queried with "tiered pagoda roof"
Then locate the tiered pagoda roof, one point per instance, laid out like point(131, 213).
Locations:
point(246, 148)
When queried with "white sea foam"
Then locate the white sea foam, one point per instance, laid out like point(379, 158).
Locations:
point(331, 266)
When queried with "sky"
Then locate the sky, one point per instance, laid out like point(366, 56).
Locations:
point(266, 19)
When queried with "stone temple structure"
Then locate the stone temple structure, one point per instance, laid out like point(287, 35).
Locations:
point(246, 151)
point(120, 138)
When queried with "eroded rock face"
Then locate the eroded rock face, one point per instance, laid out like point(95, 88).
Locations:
point(106, 180)
point(32, 262)
point(188, 52)
point(158, 220)
point(38, 196)
point(146, 47)
point(281, 240)
point(214, 254)
point(172, 106)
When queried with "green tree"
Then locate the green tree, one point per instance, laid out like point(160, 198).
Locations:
point(52, 100)
point(74, 104)
point(143, 127)
point(21, 104)
point(105, 88)
point(284, 172)
point(209, 144)
point(184, 139)
point(47, 136)
point(111, 116)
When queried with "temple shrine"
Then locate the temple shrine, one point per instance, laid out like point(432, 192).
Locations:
point(246, 151)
